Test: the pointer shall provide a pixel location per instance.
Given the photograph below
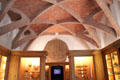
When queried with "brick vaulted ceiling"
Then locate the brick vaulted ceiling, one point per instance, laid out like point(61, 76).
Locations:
point(42, 17)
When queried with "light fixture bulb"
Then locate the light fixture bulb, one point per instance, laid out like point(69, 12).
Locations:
point(56, 33)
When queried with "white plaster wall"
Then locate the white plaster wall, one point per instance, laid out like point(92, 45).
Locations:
point(6, 39)
point(100, 35)
point(115, 9)
point(105, 38)
point(108, 39)
point(72, 42)
point(41, 41)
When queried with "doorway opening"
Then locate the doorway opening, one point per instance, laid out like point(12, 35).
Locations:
point(57, 71)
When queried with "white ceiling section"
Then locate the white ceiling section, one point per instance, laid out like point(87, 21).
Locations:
point(72, 42)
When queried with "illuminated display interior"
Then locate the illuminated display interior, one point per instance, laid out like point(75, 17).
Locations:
point(84, 68)
point(113, 66)
point(2, 67)
point(30, 69)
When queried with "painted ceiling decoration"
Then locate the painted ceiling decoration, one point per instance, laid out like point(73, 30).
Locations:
point(79, 18)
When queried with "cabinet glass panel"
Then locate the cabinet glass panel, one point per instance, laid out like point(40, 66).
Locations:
point(67, 72)
point(84, 69)
point(116, 66)
point(47, 72)
point(109, 67)
point(30, 68)
point(113, 66)
point(0, 59)
point(2, 67)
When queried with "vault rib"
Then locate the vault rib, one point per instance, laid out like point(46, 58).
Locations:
point(5, 8)
point(14, 25)
point(82, 21)
point(108, 13)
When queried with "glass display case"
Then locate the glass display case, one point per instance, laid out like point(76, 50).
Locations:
point(113, 66)
point(30, 68)
point(111, 60)
point(84, 68)
point(3, 60)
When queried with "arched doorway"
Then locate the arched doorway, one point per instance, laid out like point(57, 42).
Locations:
point(56, 60)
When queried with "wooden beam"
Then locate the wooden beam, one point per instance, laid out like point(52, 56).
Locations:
point(75, 15)
point(29, 53)
point(4, 51)
point(5, 8)
point(108, 13)
point(14, 25)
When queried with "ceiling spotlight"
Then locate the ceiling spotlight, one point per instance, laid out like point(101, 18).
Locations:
point(56, 33)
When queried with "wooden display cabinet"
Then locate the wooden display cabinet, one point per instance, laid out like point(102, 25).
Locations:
point(16, 65)
point(111, 59)
point(13, 64)
point(82, 65)
point(4, 57)
point(2, 67)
